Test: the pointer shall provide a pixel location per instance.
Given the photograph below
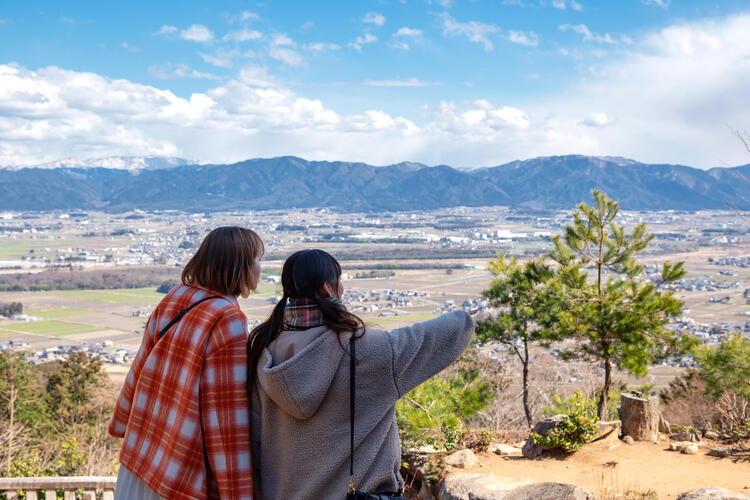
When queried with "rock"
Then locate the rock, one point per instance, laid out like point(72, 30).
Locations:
point(519, 444)
point(684, 446)
point(712, 494)
point(686, 436)
point(606, 429)
point(503, 449)
point(465, 486)
point(627, 440)
point(461, 459)
point(720, 452)
point(711, 435)
point(530, 448)
point(639, 417)
point(664, 426)
point(427, 449)
point(691, 449)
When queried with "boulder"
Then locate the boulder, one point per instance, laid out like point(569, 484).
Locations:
point(664, 426)
point(530, 448)
point(639, 417)
point(720, 452)
point(503, 449)
point(685, 447)
point(461, 459)
point(712, 494)
point(466, 486)
point(686, 436)
point(711, 435)
point(606, 429)
point(627, 440)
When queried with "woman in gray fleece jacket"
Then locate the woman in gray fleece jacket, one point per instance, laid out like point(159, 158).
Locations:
point(299, 383)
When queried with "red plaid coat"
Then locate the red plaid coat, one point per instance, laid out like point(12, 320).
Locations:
point(183, 411)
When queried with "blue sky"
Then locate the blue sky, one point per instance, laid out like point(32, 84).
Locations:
point(467, 83)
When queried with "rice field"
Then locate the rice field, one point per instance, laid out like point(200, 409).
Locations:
point(51, 328)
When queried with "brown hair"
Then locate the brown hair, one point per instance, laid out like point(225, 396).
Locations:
point(224, 261)
point(302, 276)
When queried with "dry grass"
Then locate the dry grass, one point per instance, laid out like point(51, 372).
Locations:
point(607, 486)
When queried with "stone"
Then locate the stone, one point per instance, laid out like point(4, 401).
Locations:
point(639, 417)
point(461, 459)
point(711, 435)
point(466, 486)
point(712, 494)
point(530, 448)
point(427, 449)
point(686, 436)
point(627, 440)
point(503, 449)
point(681, 446)
point(664, 426)
point(720, 452)
point(605, 429)
point(691, 449)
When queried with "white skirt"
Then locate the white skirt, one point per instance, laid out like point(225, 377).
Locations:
point(130, 487)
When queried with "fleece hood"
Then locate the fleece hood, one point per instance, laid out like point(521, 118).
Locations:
point(298, 385)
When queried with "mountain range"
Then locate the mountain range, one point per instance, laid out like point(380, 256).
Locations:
point(556, 182)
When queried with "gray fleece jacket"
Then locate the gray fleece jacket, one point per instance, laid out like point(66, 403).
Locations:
point(300, 406)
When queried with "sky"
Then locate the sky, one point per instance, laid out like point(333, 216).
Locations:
point(466, 83)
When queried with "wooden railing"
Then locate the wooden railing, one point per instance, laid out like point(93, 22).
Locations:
point(94, 487)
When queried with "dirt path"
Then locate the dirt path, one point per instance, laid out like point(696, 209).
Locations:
point(639, 467)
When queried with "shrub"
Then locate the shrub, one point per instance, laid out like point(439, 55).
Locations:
point(576, 429)
point(726, 367)
point(436, 412)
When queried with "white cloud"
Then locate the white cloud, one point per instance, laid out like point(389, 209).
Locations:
point(242, 35)
point(3, 21)
point(475, 31)
point(321, 46)
point(443, 3)
point(576, 6)
point(281, 39)
point(285, 55)
point(308, 25)
point(587, 34)
point(129, 48)
point(409, 82)
point(530, 38)
point(167, 30)
point(169, 71)
point(558, 4)
point(596, 119)
point(247, 15)
point(223, 58)
point(404, 31)
point(664, 4)
point(374, 18)
point(197, 33)
point(398, 44)
point(363, 40)
point(667, 98)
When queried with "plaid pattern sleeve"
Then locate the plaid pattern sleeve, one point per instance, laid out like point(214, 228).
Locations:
point(121, 414)
point(225, 417)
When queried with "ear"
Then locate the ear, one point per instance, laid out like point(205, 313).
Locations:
point(326, 290)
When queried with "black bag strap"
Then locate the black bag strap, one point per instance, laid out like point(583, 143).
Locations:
point(352, 382)
point(183, 312)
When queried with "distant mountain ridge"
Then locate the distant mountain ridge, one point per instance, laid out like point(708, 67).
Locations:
point(115, 162)
point(556, 182)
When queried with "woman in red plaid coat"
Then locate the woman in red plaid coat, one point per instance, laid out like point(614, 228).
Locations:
point(183, 412)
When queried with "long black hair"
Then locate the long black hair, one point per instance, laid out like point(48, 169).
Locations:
point(303, 275)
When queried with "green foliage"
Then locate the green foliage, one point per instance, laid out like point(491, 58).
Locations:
point(618, 317)
point(436, 412)
point(52, 420)
point(726, 367)
point(576, 429)
point(529, 299)
point(565, 405)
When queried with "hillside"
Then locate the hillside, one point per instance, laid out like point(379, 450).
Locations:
point(557, 182)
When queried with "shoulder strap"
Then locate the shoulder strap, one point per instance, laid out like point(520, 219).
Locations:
point(352, 381)
point(182, 313)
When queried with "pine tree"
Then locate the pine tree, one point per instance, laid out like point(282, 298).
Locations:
point(618, 316)
point(528, 298)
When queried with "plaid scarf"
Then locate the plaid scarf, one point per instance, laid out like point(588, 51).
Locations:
point(301, 314)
